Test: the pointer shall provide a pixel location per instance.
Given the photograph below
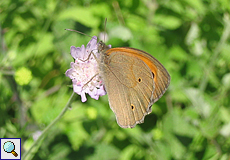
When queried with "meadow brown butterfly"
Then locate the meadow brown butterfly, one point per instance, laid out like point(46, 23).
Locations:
point(133, 80)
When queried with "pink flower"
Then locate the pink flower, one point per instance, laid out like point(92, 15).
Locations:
point(84, 72)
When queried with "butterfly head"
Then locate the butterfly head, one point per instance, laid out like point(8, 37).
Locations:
point(102, 46)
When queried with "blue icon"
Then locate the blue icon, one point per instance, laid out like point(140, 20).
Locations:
point(9, 147)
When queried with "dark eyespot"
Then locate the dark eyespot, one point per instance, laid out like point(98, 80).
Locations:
point(133, 107)
point(139, 80)
point(153, 74)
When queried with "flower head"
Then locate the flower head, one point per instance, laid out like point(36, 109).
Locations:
point(84, 71)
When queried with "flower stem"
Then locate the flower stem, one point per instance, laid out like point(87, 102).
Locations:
point(35, 146)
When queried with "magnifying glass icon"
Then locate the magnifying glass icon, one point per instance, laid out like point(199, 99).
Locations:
point(9, 147)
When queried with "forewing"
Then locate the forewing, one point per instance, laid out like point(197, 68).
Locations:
point(130, 86)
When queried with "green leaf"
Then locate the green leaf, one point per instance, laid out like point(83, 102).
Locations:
point(167, 22)
point(105, 152)
point(80, 14)
point(120, 32)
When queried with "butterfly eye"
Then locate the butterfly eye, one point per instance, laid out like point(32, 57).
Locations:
point(99, 44)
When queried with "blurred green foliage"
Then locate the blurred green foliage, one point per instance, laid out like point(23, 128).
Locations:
point(190, 38)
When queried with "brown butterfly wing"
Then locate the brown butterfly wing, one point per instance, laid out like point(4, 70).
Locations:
point(130, 87)
point(162, 81)
point(160, 74)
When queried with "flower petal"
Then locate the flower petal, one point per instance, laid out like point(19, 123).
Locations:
point(74, 52)
point(84, 71)
point(83, 97)
point(68, 73)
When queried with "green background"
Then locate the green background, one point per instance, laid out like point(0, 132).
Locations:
point(189, 37)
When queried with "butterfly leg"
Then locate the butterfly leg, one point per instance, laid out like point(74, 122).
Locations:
point(90, 80)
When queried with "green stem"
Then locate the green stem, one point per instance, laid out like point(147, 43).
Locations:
point(33, 149)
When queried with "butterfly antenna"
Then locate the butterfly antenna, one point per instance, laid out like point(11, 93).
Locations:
point(105, 28)
point(79, 32)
